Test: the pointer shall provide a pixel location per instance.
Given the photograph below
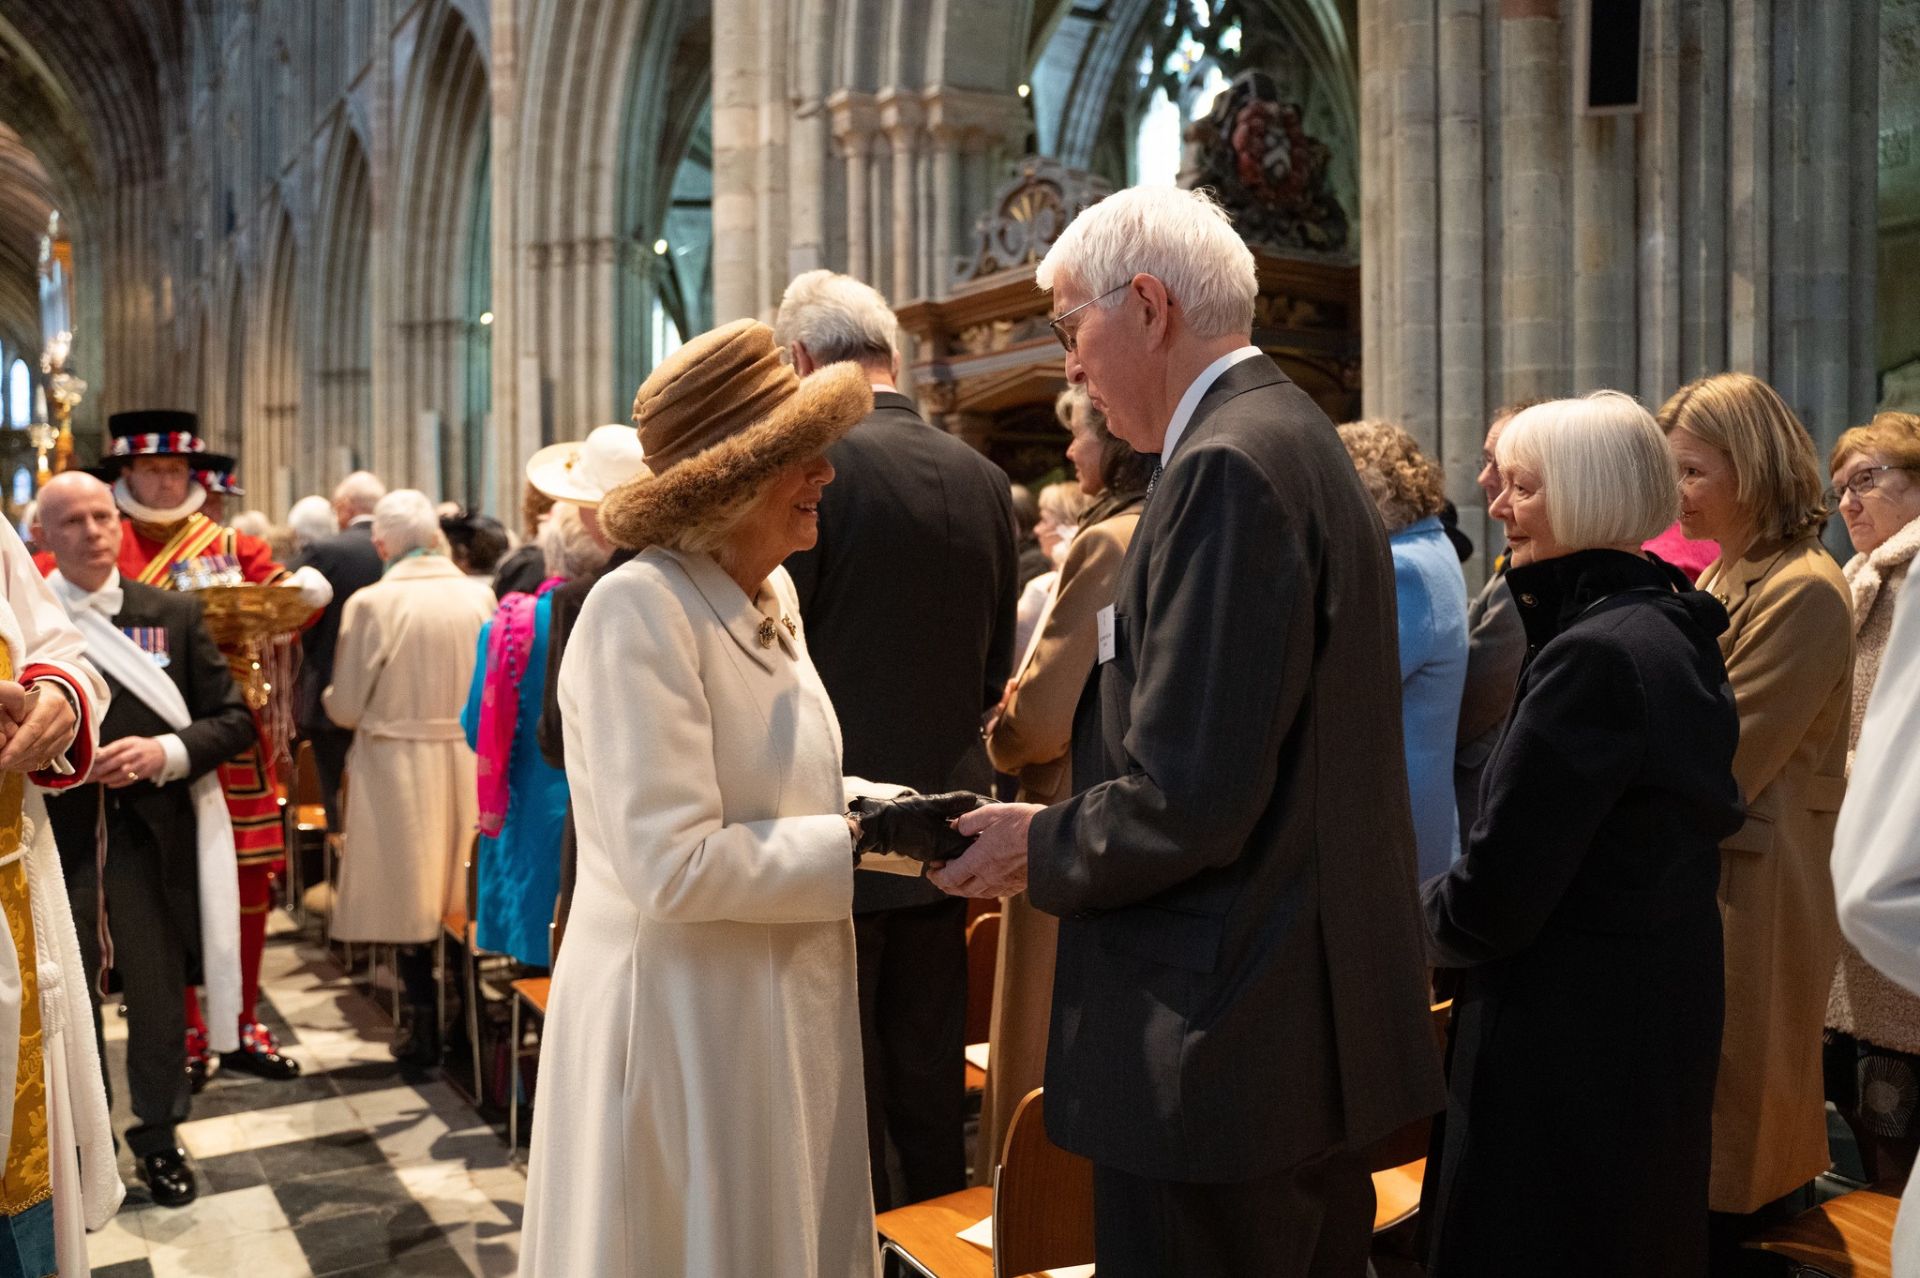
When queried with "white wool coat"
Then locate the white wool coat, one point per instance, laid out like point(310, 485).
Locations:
point(400, 676)
point(700, 1108)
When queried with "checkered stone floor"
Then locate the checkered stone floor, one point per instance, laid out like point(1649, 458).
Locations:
point(352, 1168)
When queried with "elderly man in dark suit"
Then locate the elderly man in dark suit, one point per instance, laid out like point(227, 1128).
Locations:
point(139, 795)
point(347, 560)
point(911, 669)
point(1240, 997)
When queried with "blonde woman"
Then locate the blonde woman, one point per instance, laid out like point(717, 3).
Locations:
point(1061, 506)
point(1873, 1025)
point(1749, 480)
point(1030, 737)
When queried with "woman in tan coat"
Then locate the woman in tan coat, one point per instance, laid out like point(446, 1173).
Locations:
point(1030, 735)
point(1873, 1025)
point(1750, 481)
point(400, 677)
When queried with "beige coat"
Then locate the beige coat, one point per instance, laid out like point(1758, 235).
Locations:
point(700, 1086)
point(1863, 1002)
point(1032, 740)
point(400, 675)
point(1789, 654)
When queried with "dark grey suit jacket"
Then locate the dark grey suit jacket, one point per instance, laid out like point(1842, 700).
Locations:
point(145, 815)
point(908, 600)
point(347, 560)
point(1496, 648)
point(1241, 985)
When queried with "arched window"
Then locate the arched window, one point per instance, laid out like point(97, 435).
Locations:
point(1188, 59)
point(19, 395)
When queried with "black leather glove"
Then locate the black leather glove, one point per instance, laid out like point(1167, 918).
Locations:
point(914, 825)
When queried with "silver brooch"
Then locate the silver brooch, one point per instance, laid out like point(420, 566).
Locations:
point(766, 633)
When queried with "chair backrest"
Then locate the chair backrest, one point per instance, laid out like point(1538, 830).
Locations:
point(473, 878)
point(983, 956)
point(306, 776)
point(1042, 1199)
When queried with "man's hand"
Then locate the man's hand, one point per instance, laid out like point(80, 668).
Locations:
point(37, 727)
point(996, 864)
point(130, 759)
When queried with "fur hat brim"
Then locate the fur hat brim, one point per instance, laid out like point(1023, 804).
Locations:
point(650, 509)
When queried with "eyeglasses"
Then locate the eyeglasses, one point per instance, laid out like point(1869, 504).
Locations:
point(1069, 337)
point(1860, 483)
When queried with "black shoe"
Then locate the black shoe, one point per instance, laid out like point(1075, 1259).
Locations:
point(168, 1178)
point(197, 1072)
point(414, 1040)
point(260, 1056)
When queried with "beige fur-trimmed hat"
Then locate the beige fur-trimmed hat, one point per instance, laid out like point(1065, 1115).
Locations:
point(719, 418)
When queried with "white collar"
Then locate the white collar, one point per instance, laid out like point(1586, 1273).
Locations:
point(123, 494)
point(1183, 411)
point(72, 594)
point(357, 520)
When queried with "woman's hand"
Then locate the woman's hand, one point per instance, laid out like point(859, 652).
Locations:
point(918, 826)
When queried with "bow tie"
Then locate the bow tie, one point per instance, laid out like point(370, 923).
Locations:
point(106, 601)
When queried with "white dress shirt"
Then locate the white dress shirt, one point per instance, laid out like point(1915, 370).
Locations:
point(1183, 411)
point(107, 601)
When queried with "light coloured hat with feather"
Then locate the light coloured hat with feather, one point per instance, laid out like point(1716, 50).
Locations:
point(719, 418)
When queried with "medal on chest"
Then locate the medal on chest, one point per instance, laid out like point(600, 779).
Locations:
point(151, 640)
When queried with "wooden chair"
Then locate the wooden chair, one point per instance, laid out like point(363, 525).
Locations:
point(304, 810)
point(531, 993)
point(1399, 1163)
point(457, 925)
point(1041, 1204)
point(1846, 1237)
point(983, 957)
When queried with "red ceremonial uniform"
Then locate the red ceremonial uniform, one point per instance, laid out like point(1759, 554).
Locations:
point(147, 555)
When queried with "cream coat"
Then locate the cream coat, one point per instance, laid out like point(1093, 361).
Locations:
point(700, 1095)
point(400, 677)
point(1789, 654)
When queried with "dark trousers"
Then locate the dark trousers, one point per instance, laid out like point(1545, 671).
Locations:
point(1727, 1231)
point(1313, 1221)
point(330, 762)
point(150, 954)
point(913, 1026)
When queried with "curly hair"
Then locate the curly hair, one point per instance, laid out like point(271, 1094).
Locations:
point(1403, 481)
point(1893, 435)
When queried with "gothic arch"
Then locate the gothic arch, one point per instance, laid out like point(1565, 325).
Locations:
point(443, 149)
point(340, 434)
point(272, 447)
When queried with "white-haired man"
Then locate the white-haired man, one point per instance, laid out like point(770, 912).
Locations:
point(348, 560)
point(1240, 998)
point(919, 510)
point(400, 675)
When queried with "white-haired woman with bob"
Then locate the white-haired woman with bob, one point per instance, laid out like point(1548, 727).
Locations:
point(400, 677)
point(1580, 931)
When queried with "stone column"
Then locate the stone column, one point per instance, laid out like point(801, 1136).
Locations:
point(855, 120)
point(736, 117)
point(901, 116)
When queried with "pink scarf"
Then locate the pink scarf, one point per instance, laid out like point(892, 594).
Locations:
point(508, 648)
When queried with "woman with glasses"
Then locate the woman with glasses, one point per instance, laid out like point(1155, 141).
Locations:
point(1873, 1025)
point(1749, 480)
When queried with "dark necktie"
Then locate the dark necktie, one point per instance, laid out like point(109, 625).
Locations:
point(1154, 478)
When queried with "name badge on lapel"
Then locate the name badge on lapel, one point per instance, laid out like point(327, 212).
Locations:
point(152, 640)
point(1104, 621)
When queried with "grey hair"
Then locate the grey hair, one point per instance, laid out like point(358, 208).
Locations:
point(404, 520)
point(311, 519)
point(1065, 502)
point(360, 492)
point(836, 317)
point(569, 548)
point(1184, 239)
point(1604, 468)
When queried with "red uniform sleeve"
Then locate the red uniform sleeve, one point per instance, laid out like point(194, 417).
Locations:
point(80, 753)
point(257, 563)
point(43, 560)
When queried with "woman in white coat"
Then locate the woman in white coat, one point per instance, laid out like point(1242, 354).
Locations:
point(700, 1108)
point(400, 676)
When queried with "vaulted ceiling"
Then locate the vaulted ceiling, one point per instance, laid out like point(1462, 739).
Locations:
point(87, 88)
